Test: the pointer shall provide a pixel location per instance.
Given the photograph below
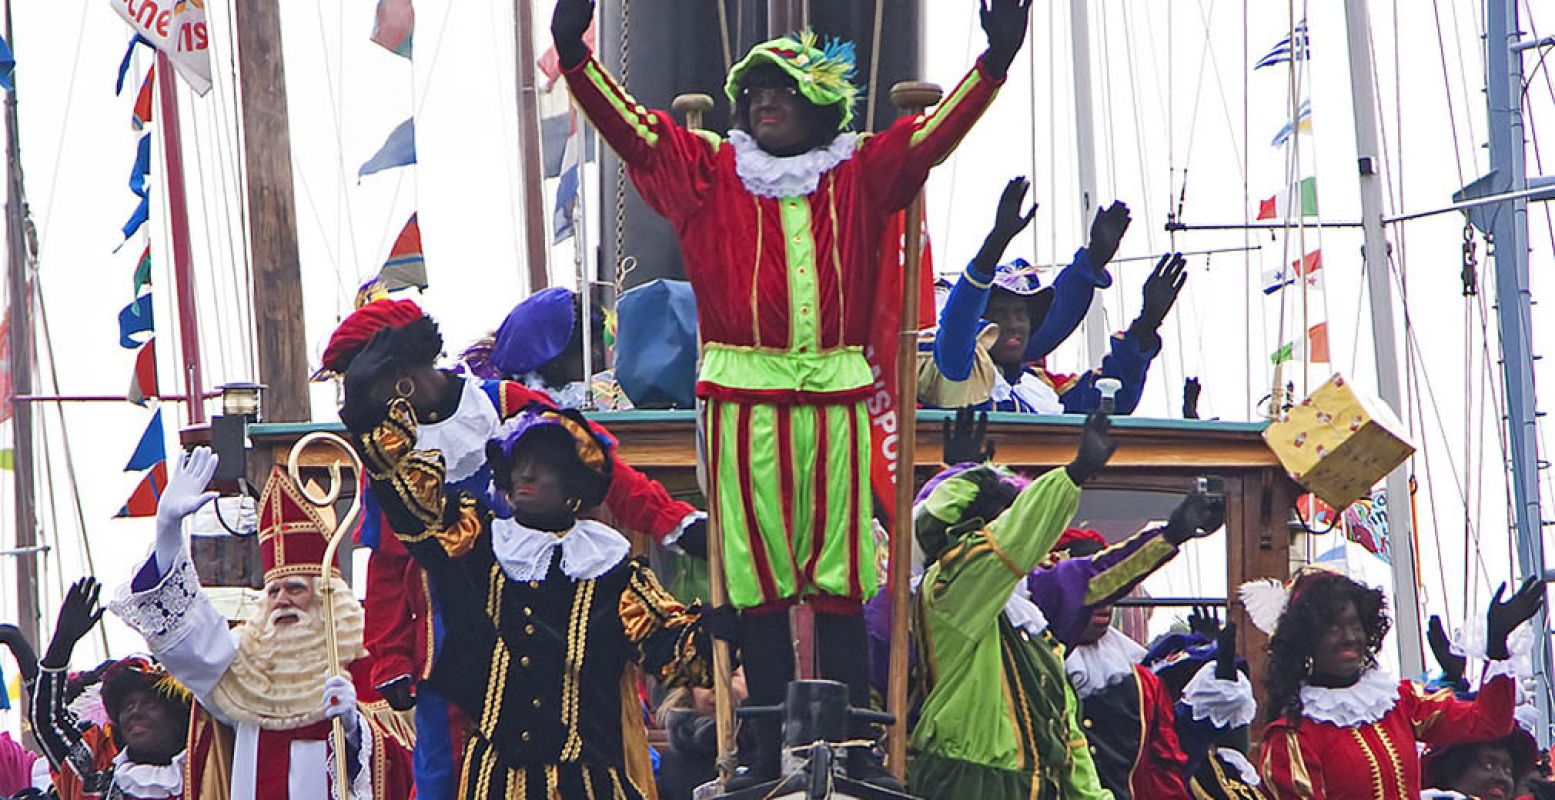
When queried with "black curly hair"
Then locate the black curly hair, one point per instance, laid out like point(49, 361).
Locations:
point(1444, 770)
point(1316, 599)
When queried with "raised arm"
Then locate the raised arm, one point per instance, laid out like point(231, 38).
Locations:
point(1078, 282)
point(955, 345)
point(1441, 719)
point(668, 163)
point(899, 159)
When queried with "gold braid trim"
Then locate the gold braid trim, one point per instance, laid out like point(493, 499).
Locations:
point(647, 607)
point(458, 538)
point(1378, 789)
point(418, 482)
point(391, 440)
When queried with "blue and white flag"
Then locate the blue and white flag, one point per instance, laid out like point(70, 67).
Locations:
point(1303, 125)
point(1286, 51)
point(398, 150)
point(567, 191)
point(7, 70)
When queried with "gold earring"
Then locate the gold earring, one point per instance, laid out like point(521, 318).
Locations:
point(575, 504)
point(405, 387)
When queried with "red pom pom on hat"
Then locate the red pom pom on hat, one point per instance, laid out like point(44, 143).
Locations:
point(1072, 535)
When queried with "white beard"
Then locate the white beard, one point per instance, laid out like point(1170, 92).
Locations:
point(276, 680)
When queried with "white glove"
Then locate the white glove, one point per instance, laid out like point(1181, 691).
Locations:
point(184, 495)
point(340, 701)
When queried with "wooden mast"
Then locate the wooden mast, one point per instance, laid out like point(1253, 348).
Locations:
point(178, 227)
point(19, 285)
point(537, 249)
point(272, 214)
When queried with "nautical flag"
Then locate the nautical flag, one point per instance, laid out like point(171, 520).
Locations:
point(1303, 125)
point(405, 266)
point(143, 501)
point(124, 63)
point(394, 25)
point(555, 133)
point(1278, 206)
point(143, 382)
point(566, 193)
point(1286, 352)
point(1283, 52)
point(137, 218)
point(143, 271)
point(1308, 266)
point(143, 111)
point(135, 318)
point(152, 448)
point(1317, 344)
point(6, 411)
point(140, 184)
point(7, 66)
point(179, 32)
point(398, 150)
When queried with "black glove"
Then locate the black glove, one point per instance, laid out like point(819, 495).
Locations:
point(1505, 617)
point(369, 381)
point(1204, 621)
point(1005, 23)
point(399, 693)
point(1106, 233)
point(1161, 290)
point(693, 540)
point(1199, 514)
point(569, 21)
point(1225, 653)
point(1451, 663)
point(1007, 224)
point(967, 440)
point(26, 658)
point(721, 622)
point(1190, 398)
point(77, 616)
point(1096, 446)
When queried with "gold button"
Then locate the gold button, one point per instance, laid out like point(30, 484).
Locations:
point(1093, 750)
point(525, 737)
point(1086, 723)
point(528, 612)
point(523, 661)
point(535, 702)
point(798, 238)
point(529, 630)
point(534, 584)
point(802, 271)
point(804, 310)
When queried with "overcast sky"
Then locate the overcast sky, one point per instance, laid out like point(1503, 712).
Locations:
point(1169, 82)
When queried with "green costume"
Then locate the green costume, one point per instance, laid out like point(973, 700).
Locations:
point(999, 719)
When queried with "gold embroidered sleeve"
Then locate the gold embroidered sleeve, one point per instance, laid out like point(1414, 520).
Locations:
point(390, 441)
point(669, 640)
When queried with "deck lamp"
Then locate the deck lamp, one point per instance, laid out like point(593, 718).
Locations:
point(241, 399)
point(240, 406)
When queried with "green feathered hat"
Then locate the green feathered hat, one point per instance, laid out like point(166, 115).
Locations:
point(823, 70)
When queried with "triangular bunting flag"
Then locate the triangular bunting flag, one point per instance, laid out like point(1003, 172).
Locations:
point(143, 270)
point(394, 26)
point(405, 267)
point(143, 383)
point(133, 319)
point(7, 66)
point(152, 447)
point(398, 150)
point(143, 501)
point(143, 113)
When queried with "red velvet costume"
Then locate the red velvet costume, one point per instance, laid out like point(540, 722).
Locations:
point(1306, 758)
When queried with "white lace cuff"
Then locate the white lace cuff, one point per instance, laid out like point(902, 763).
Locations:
point(1226, 704)
point(1497, 668)
point(1236, 758)
point(670, 539)
point(168, 611)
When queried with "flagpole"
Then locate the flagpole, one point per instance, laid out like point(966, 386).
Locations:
point(580, 259)
point(912, 98)
point(178, 226)
point(537, 245)
point(20, 341)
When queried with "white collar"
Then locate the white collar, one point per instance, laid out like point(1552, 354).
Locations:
point(1031, 389)
point(1104, 663)
point(1024, 614)
point(589, 549)
point(767, 175)
point(148, 781)
point(1368, 700)
point(462, 437)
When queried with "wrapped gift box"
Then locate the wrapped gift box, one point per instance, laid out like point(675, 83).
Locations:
point(1338, 442)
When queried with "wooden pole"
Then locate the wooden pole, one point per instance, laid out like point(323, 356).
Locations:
point(911, 97)
point(280, 337)
point(694, 107)
point(537, 248)
point(327, 592)
point(183, 255)
point(20, 342)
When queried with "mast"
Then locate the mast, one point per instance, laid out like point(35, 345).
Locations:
point(19, 286)
point(272, 216)
point(1401, 538)
point(1085, 145)
point(537, 247)
point(1506, 223)
point(178, 225)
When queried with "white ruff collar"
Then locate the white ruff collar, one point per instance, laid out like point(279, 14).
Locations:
point(1031, 389)
point(767, 175)
point(1369, 700)
point(589, 550)
point(462, 437)
point(148, 781)
point(1024, 614)
point(1107, 662)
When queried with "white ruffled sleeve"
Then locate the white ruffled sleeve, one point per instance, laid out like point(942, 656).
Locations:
point(1226, 704)
point(181, 627)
